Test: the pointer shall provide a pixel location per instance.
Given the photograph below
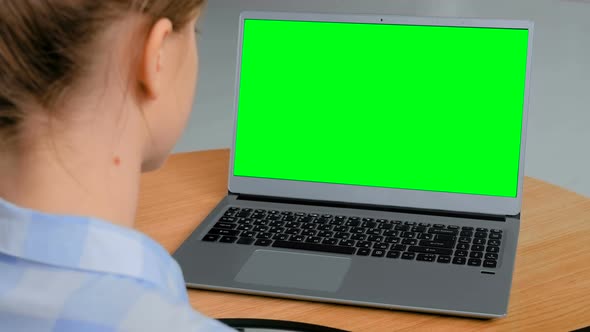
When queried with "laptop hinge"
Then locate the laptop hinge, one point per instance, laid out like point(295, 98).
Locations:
point(439, 213)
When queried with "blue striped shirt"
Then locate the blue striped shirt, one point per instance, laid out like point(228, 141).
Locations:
point(64, 273)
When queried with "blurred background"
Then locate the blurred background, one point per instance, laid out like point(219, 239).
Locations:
point(558, 142)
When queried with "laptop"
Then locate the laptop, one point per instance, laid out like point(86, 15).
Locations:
point(377, 161)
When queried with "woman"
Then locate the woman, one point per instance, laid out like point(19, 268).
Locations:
point(92, 93)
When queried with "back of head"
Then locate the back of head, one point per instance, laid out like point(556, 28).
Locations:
point(46, 45)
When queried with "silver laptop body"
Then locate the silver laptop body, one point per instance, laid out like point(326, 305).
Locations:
point(215, 257)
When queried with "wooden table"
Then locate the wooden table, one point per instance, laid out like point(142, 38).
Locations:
point(551, 286)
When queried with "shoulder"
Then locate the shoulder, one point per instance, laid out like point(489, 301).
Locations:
point(129, 305)
point(47, 299)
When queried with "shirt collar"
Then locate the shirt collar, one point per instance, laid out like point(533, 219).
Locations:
point(83, 243)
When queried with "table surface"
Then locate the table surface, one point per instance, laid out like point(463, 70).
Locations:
point(550, 290)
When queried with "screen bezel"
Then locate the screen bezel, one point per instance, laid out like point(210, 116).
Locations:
point(376, 195)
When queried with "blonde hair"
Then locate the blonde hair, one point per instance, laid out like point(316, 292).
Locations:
point(45, 44)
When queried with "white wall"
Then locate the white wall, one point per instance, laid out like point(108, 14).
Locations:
point(558, 137)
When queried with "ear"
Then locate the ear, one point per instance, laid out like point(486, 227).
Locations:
point(153, 58)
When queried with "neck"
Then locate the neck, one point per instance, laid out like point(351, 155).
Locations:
point(91, 173)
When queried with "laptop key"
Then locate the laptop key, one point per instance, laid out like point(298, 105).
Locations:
point(426, 257)
point(465, 240)
point(391, 233)
point(265, 236)
point(314, 247)
point(330, 242)
point(399, 247)
point(297, 238)
point(292, 224)
point(314, 239)
point(244, 227)
point(341, 229)
point(392, 239)
point(325, 234)
point(363, 244)
point(437, 244)
point(263, 242)
point(358, 237)
point(352, 223)
point(459, 260)
point(244, 214)
point(375, 238)
point(381, 246)
point(419, 229)
point(408, 235)
point(451, 232)
point(488, 263)
point(462, 246)
point(481, 234)
point(442, 237)
point(425, 236)
point(373, 231)
point(293, 231)
point(428, 250)
point(225, 232)
point(228, 219)
point(494, 243)
point(495, 236)
point(402, 228)
point(210, 238)
point(275, 230)
point(460, 253)
point(357, 230)
point(308, 226)
point(347, 243)
point(479, 241)
point(228, 239)
point(474, 262)
point(276, 223)
point(408, 255)
point(493, 249)
point(260, 228)
point(336, 222)
point(246, 240)
point(394, 254)
point(385, 226)
point(444, 259)
point(282, 237)
point(477, 247)
point(411, 242)
point(378, 253)
point(476, 254)
point(497, 231)
point(342, 235)
point(363, 252)
point(491, 256)
point(308, 232)
point(248, 234)
point(465, 233)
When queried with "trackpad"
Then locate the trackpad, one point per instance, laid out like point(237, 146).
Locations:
point(293, 270)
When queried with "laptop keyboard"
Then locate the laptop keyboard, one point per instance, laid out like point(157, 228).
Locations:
point(351, 235)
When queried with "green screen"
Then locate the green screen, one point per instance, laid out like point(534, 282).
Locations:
point(396, 106)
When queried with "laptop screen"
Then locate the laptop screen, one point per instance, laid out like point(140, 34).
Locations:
point(427, 108)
